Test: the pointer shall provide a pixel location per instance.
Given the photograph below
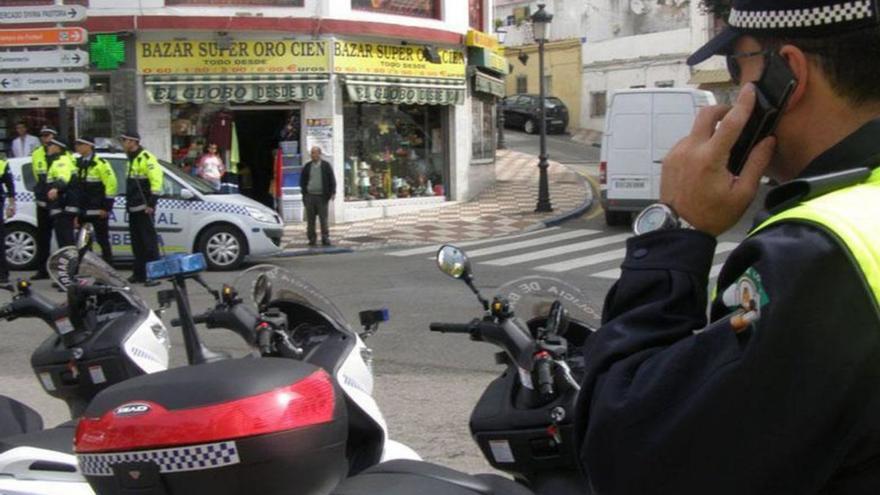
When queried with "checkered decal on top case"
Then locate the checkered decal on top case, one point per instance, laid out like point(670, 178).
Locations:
point(174, 460)
point(801, 18)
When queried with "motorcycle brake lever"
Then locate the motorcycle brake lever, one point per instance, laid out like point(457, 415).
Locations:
point(566, 374)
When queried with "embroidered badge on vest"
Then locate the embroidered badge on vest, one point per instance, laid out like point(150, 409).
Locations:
point(745, 298)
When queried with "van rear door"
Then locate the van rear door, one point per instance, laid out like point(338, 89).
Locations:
point(672, 120)
point(629, 148)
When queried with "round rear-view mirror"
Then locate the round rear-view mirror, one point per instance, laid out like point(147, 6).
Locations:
point(453, 262)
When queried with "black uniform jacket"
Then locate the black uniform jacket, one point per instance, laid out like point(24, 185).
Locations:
point(7, 185)
point(672, 404)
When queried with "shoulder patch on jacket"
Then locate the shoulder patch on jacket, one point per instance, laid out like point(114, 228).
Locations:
point(745, 298)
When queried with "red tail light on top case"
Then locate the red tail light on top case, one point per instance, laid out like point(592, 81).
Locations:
point(145, 424)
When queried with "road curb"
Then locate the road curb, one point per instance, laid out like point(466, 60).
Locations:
point(293, 253)
point(576, 212)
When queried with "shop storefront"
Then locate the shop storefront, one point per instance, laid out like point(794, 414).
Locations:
point(382, 114)
point(244, 97)
point(486, 69)
point(397, 107)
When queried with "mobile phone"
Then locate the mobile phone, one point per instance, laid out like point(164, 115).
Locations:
point(772, 92)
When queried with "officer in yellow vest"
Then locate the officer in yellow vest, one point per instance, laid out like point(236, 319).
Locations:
point(143, 186)
point(94, 189)
point(39, 168)
point(61, 170)
point(778, 390)
point(7, 195)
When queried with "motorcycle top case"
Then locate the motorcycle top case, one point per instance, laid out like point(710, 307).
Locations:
point(242, 426)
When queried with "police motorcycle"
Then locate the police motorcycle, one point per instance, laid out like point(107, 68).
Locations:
point(296, 416)
point(523, 423)
point(103, 334)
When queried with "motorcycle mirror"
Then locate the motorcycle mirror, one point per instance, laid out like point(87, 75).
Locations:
point(262, 291)
point(454, 262)
point(85, 237)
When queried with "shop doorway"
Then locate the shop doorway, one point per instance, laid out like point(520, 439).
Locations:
point(259, 131)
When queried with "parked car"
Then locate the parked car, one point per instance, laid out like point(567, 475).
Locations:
point(641, 125)
point(523, 111)
point(190, 217)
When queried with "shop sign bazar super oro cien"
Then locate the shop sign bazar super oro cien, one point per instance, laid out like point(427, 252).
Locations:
point(351, 57)
point(239, 57)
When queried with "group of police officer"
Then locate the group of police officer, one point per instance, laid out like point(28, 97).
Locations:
point(74, 191)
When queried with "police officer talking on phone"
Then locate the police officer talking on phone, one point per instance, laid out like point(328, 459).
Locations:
point(778, 389)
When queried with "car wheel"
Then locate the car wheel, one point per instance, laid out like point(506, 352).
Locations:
point(530, 126)
point(223, 247)
point(21, 246)
point(616, 218)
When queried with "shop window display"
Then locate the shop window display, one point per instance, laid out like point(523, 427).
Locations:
point(483, 128)
point(394, 151)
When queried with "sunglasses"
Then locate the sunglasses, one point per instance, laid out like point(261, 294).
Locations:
point(733, 67)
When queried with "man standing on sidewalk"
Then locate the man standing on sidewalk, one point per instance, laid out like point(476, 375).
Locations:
point(24, 144)
point(318, 186)
point(143, 186)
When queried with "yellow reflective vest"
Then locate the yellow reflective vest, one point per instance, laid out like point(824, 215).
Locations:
point(61, 171)
point(143, 184)
point(852, 215)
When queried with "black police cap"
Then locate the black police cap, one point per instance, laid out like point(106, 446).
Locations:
point(791, 18)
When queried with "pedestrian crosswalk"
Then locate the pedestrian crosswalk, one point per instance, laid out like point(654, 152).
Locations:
point(557, 250)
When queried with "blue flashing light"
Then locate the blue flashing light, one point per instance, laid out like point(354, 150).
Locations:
point(386, 314)
point(176, 264)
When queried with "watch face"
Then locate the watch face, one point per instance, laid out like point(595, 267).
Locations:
point(652, 218)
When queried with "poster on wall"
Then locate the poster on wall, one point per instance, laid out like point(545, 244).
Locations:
point(319, 132)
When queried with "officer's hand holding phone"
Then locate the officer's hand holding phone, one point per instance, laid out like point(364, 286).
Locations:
point(696, 182)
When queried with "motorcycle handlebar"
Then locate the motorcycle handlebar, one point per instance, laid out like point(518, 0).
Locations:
point(202, 318)
point(452, 327)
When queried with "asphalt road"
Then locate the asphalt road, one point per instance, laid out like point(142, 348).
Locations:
point(560, 147)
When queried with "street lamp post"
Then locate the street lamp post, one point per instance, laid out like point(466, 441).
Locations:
point(540, 22)
point(499, 107)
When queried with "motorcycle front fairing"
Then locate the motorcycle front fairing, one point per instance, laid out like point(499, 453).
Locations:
point(109, 333)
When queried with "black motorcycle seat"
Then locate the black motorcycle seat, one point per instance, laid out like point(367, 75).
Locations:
point(17, 418)
point(58, 439)
point(406, 477)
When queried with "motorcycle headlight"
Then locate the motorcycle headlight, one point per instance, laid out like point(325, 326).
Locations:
point(161, 334)
point(259, 215)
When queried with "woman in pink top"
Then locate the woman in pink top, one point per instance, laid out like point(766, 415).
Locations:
point(210, 166)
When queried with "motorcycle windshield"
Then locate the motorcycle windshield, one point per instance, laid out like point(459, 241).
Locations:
point(268, 285)
point(65, 268)
point(531, 297)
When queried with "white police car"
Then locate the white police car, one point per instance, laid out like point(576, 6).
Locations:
point(190, 217)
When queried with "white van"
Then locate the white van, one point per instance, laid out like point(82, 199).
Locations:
point(641, 125)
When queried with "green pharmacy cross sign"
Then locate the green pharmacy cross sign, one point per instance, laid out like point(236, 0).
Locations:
point(107, 51)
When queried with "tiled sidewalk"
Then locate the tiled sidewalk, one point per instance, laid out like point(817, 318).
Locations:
point(505, 208)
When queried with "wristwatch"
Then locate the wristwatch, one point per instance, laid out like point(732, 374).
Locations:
point(658, 216)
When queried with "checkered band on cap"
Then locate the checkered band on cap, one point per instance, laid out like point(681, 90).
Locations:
point(812, 17)
point(173, 460)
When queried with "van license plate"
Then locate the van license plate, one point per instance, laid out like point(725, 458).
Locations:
point(630, 184)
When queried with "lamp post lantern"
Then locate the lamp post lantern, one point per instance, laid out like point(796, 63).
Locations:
point(499, 107)
point(540, 24)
